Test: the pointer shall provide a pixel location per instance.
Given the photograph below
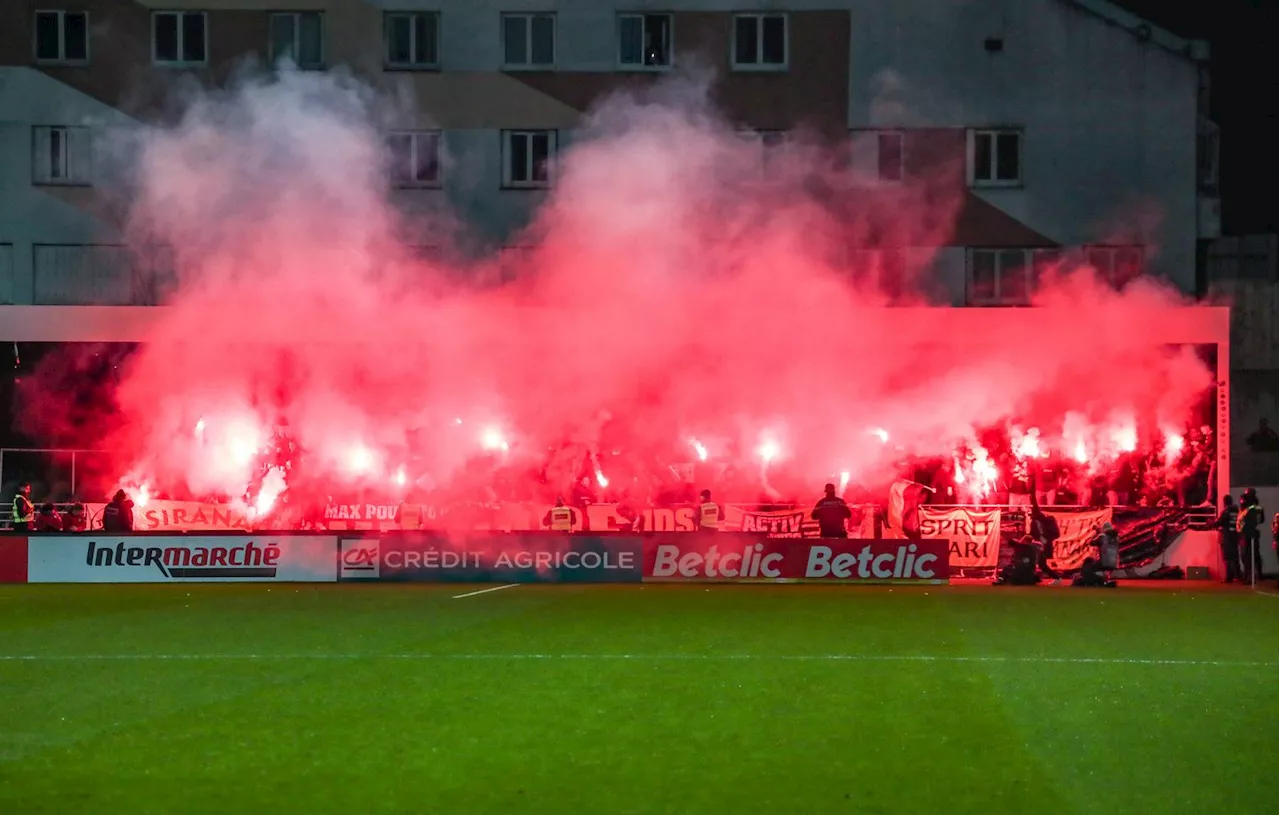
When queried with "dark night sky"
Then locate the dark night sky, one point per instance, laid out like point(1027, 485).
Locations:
point(1242, 35)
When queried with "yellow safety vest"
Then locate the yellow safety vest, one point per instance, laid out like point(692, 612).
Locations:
point(561, 519)
point(23, 510)
point(709, 516)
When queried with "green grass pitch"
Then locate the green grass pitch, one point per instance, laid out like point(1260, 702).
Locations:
point(630, 699)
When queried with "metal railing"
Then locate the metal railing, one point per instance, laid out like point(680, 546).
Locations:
point(51, 453)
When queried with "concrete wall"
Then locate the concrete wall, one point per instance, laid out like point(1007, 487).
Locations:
point(1242, 274)
point(29, 214)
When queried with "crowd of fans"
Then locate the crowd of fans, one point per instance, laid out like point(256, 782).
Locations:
point(1146, 477)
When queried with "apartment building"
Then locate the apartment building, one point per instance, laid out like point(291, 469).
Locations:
point(1066, 127)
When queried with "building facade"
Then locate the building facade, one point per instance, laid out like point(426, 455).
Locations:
point(1065, 128)
point(1242, 273)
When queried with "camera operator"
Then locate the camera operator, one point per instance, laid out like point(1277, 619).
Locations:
point(1021, 570)
point(1096, 571)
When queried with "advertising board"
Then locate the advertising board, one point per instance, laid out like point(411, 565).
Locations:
point(98, 558)
point(738, 558)
point(13, 559)
point(493, 557)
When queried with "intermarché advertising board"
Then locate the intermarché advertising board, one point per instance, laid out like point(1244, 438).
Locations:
point(197, 559)
point(737, 558)
point(491, 557)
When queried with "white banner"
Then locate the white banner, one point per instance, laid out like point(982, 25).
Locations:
point(1075, 530)
point(178, 516)
point(96, 558)
point(974, 534)
point(787, 523)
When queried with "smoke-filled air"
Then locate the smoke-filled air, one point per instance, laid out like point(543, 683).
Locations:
point(688, 319)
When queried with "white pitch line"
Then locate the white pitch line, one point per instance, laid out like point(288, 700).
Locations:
point(646, 657)
point(485, 591)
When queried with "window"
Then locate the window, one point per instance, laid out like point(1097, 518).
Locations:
point(62, 36)
point(995, 158)
point(1118, 265)
point(61, 155)
point(79, 275)
point(510, 264)
point(889, 160)
point(299, 38)
point(6, 274)
point(179, 38)
point(644, 41)
point(528, 40)
point(528, 157)
point(1006, 277)
point(412, 40)
point(768, 139)
point(886, 268)
point(760, 42)
point(415, 158)
point(877, 156)
point(770, 143)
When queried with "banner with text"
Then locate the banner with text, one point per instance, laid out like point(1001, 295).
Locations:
point(178, 516)
point(790, 522)
point(974, 534)
point(1076, 531)
point(747, 558)
point(495, 557)
point(97, 558)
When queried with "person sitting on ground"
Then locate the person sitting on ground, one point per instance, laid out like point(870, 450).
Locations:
point(1092, 573)
point(117, 516)
point(831, 513)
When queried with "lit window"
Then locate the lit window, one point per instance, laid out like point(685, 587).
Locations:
point(644, 41)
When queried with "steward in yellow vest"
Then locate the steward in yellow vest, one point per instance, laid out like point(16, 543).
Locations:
point(560, 518)
point(710, 514)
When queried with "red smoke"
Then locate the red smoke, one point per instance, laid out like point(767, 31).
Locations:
point(678, 295)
